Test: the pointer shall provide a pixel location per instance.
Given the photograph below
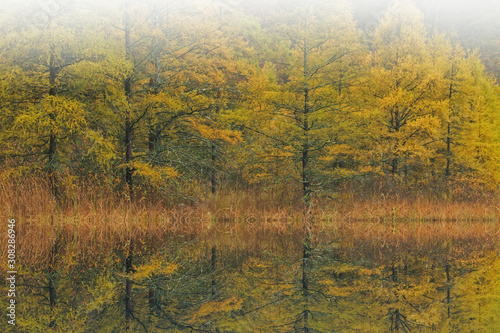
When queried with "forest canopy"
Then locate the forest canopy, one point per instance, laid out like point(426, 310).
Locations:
point(175, 99)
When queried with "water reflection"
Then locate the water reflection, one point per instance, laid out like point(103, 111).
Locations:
point(311, 282)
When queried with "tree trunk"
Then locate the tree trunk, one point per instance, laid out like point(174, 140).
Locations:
point(213, 152)
point(52, 296)
point(213, 260)
point(394, 274)
point(128, 303)
point(396, 125)
point(396, 320)
point(128, 287)
point(52, 293)
point(306, 181)
point(448, 289)
point(152, 139)
point(448, 134)
point(213, 177)
point(306, 176)
point(306, 264)
point(394, 166)
point(52, 152)
point(448, 152)
point(52, 283)
point(154, 83)
point(153, 301)
point(306, 189)
point(129, 171)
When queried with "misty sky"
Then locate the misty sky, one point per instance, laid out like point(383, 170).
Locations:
point(466, 16)
point(451, 12)
point(477, 22)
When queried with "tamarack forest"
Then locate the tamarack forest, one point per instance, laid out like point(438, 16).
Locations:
point(250, 166)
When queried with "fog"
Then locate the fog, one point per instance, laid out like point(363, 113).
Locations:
point(450, 13)
point(475, 23)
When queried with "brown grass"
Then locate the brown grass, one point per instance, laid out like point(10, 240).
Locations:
point(98, 225)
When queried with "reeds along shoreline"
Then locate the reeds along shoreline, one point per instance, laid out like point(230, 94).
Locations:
point(99, 225)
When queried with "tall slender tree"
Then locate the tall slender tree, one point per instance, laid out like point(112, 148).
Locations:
point(402, 86)
point(311, 72)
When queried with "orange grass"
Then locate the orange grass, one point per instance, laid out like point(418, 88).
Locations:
point(95, 226)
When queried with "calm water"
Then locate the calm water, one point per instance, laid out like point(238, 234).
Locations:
point(300, 283)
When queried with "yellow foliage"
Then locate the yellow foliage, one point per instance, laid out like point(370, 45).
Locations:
point(218, 308)
point(215, 134)
point(54, 114)
point(155, 174)
point(156, 266)
point(103, 150)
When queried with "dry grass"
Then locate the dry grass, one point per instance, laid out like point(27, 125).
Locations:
point(98, 226)
point(418, 208)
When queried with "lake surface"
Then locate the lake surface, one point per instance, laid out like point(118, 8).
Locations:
point(362, 276)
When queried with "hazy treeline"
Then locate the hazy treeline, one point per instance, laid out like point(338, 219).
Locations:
point(180, 99)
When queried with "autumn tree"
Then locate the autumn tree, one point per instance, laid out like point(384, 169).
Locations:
point(149, 58)
point(402, 87)
point(43, 108)
point(59, 109)
point(311, 75)
point(468, 116)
